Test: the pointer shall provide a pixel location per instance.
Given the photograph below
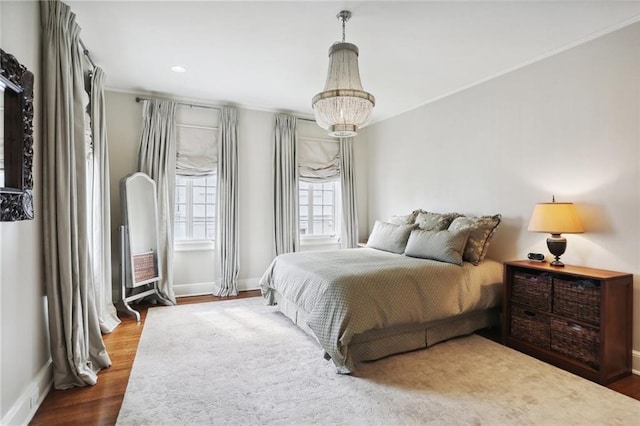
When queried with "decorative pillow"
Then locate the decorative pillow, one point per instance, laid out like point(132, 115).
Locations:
point(389, 237)
point(408, 219)
point(445, 246)
point(481, 231)
point(429, 221)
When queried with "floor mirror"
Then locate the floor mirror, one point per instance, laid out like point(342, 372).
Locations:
point(140, 257)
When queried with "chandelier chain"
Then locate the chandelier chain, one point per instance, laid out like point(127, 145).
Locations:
point(343, 28)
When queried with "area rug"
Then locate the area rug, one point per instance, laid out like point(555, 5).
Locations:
point(240, 362)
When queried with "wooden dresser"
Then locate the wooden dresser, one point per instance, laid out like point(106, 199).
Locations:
point(576, 318)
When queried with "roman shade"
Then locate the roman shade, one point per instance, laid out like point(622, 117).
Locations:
point(318, 159)
point(196, 150)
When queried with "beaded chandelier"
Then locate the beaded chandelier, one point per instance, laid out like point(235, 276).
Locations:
point(343, 106)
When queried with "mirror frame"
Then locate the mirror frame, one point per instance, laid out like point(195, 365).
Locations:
point(16, 199)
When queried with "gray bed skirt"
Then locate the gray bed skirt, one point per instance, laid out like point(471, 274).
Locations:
point(377, 344)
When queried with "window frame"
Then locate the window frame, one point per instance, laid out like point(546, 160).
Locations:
point(321, 239)
point(190, 243)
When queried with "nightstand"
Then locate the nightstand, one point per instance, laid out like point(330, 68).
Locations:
point(576, 318)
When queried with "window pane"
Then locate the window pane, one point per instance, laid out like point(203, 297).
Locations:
point(327, 228)
point(317, 211)
point(180, 231)
point(211, 231)
point(303, 185)
point(181, 212)
point(199, 231)
point(199, 212)
point(199, 195)
point(181, 194)
point(327, 197)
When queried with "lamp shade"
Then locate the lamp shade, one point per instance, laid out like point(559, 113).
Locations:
point(343, 106)
point(555, 218)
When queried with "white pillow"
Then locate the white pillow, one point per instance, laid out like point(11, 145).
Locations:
point(444, 246)
point(389, 237)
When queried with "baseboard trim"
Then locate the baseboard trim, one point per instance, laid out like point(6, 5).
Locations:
point(23, 410)
point(201, 289)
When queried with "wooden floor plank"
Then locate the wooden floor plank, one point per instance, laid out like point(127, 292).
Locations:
point(100, 404)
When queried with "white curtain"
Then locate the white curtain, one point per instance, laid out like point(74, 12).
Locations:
point(227, 242)
point(101, 207)
point(285, 188)
point(348, 186)
point(77, 349)
point(156, 158)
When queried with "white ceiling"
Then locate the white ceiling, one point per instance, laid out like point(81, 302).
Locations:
point(273, 55)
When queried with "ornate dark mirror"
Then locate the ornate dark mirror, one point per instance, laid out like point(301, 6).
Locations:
point(16, 140)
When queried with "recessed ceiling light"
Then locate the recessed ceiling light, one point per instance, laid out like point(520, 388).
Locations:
point(178, 68)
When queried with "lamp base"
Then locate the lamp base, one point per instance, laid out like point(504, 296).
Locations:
point(557, 246)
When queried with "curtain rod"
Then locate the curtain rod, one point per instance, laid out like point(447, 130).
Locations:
point(86, 53)
point(140, 99)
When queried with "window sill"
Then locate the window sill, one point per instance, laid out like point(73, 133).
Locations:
point(319, 241)
point(194, 245)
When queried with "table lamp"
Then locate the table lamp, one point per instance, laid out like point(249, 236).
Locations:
point(555, 219)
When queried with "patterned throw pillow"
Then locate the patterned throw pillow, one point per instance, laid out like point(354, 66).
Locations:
point(444, 246)
point(428, 221)
point(407, 219)
point(389, 237)
point(481, 231)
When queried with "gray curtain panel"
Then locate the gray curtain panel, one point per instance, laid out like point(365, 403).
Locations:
point(347, 180)
point(156, 158)
point(285, 185)
point(77, 349)
point(101, 211)
point(227, 242)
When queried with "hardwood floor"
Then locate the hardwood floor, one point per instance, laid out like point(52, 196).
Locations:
point(100, 404)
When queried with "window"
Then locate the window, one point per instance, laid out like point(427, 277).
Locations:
point(320, 210)
point(195, 208)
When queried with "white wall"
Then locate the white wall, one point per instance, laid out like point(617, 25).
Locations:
point(568, 125)
point(24, 350)
point(194, 270)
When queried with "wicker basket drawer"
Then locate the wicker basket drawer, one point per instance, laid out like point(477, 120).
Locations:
point(579, 300)
point(530, 326)
point(532, 290)
point(575, 341)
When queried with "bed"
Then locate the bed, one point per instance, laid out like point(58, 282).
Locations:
point(423, 278)
point(364, 304)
